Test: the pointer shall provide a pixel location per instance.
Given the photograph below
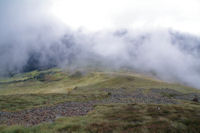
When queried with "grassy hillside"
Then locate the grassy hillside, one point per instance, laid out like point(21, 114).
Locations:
point(119, 118)
point(117, 101)
point(57, 81)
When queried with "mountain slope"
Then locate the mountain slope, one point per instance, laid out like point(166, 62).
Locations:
point(118, 101)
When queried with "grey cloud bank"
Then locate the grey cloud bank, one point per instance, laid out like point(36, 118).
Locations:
point(32, 39)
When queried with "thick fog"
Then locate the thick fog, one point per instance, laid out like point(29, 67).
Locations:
point(31, 38)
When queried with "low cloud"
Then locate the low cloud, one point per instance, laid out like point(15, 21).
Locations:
point(36, 40)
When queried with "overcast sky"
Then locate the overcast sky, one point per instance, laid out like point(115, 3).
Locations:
point(93, 15)
point(182, 15)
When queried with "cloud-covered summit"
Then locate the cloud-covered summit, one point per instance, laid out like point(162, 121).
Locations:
point(171, 55)
point(31, 38)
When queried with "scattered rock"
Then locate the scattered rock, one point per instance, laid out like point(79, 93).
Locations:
point(109, 94)
point(75, 88)
point(50, 113)
point(45, 114)
point(195, 99)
